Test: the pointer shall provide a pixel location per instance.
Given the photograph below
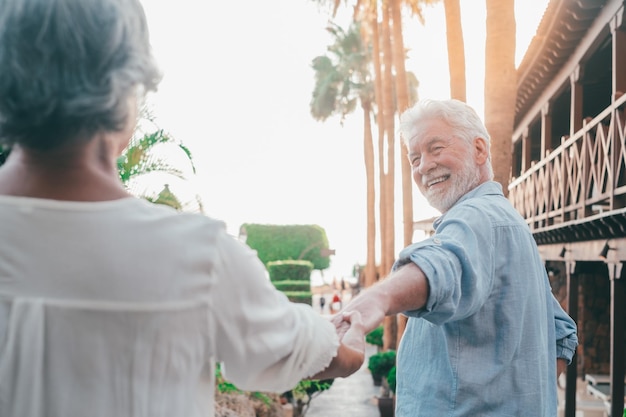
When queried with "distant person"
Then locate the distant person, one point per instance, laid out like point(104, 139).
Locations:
point(322, 303)
point(110, 305)
point(336, 303)
point(485, 336)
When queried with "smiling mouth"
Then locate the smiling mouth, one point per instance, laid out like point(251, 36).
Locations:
point(436, 181)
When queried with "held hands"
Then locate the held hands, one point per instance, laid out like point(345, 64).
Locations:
point(370, 314)
point(350, 330)
point(351, 352)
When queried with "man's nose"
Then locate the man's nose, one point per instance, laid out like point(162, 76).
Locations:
point(426, 164)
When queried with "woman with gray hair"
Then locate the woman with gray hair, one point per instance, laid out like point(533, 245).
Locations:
point(109, 305)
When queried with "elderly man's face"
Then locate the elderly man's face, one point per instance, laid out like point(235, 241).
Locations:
point(444, 166)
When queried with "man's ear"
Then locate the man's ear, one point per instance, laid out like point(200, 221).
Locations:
point(481, 149)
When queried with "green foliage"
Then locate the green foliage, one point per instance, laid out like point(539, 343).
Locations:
point(302, 395)
point(291, 285)
point(229, 388)
point(290, 270)
point(154, 157)
point(391, 379)
point(309, 387)
point(304, 297)
point(138, 158)
point(343, 76)
point(4, 154)
point(288, 242)
point(381, 363)
point(375, 337)
point(293, 278)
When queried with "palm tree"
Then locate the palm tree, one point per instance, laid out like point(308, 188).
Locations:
point(386, 92)
point(500, 85)
point(406, 95)
point(456, 49)
point(342, 79)
point(145, 165)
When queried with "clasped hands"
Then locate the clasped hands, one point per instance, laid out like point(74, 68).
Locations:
point(350, 330)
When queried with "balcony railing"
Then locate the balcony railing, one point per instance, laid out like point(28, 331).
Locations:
point(580, 182)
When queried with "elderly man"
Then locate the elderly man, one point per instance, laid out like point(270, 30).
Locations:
point(485, 335)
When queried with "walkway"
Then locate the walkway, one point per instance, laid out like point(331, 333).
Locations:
point(351, 396)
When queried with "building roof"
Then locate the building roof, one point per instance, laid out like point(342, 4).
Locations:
point(563, 25)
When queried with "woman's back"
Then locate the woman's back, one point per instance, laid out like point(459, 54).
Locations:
point(121, 308)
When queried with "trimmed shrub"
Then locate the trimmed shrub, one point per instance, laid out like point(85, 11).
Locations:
point(290, 270)
point(297, 242)
point(375, 337)
point(290, 285)
point(304, 297)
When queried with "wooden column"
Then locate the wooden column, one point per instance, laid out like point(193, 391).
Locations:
point(526, 148)
point(572, 310)
point(546, 130)
point(576, 105)
point(618, 298)
point(618, 32)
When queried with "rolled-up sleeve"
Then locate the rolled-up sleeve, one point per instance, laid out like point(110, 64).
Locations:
point(565, 331)
point(457, 262)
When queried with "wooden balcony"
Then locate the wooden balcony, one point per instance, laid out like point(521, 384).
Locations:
point(578, 191)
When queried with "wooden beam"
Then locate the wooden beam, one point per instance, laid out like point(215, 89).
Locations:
point(618, 298)
point(572, 370)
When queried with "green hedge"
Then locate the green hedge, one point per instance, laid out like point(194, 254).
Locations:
point(304, 297)
point(290, 270)
point(280, 242)
point(290, 285)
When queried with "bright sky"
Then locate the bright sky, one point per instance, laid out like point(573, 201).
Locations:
point(236, 91)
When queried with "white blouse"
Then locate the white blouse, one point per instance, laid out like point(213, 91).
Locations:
point(121, 308)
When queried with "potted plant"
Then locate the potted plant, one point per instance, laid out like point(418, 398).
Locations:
point(379, 365)
point(386, 402)
point(391, 380)
point(375, 337)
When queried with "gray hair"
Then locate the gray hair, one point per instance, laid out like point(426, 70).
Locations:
point(462, 119)
point(68, 68)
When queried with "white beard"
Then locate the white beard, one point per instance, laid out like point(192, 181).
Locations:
point(459, 185)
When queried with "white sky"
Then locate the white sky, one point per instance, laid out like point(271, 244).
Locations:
point(236, 91)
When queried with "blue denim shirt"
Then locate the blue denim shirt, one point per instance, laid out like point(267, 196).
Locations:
point(487, 340)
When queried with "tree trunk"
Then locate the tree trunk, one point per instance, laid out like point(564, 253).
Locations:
point(500, 85)
point(388, 251)
point(380, 121)
point(402, 97)
point(368, 154)
point(456, 49)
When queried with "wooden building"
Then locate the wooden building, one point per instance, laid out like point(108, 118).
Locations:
point(569, 178)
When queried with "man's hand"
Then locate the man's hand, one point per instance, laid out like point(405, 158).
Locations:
point(404, 289)
point(351, 333)
point(369, 308)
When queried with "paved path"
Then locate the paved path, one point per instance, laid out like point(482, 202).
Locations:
point(354, 396)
